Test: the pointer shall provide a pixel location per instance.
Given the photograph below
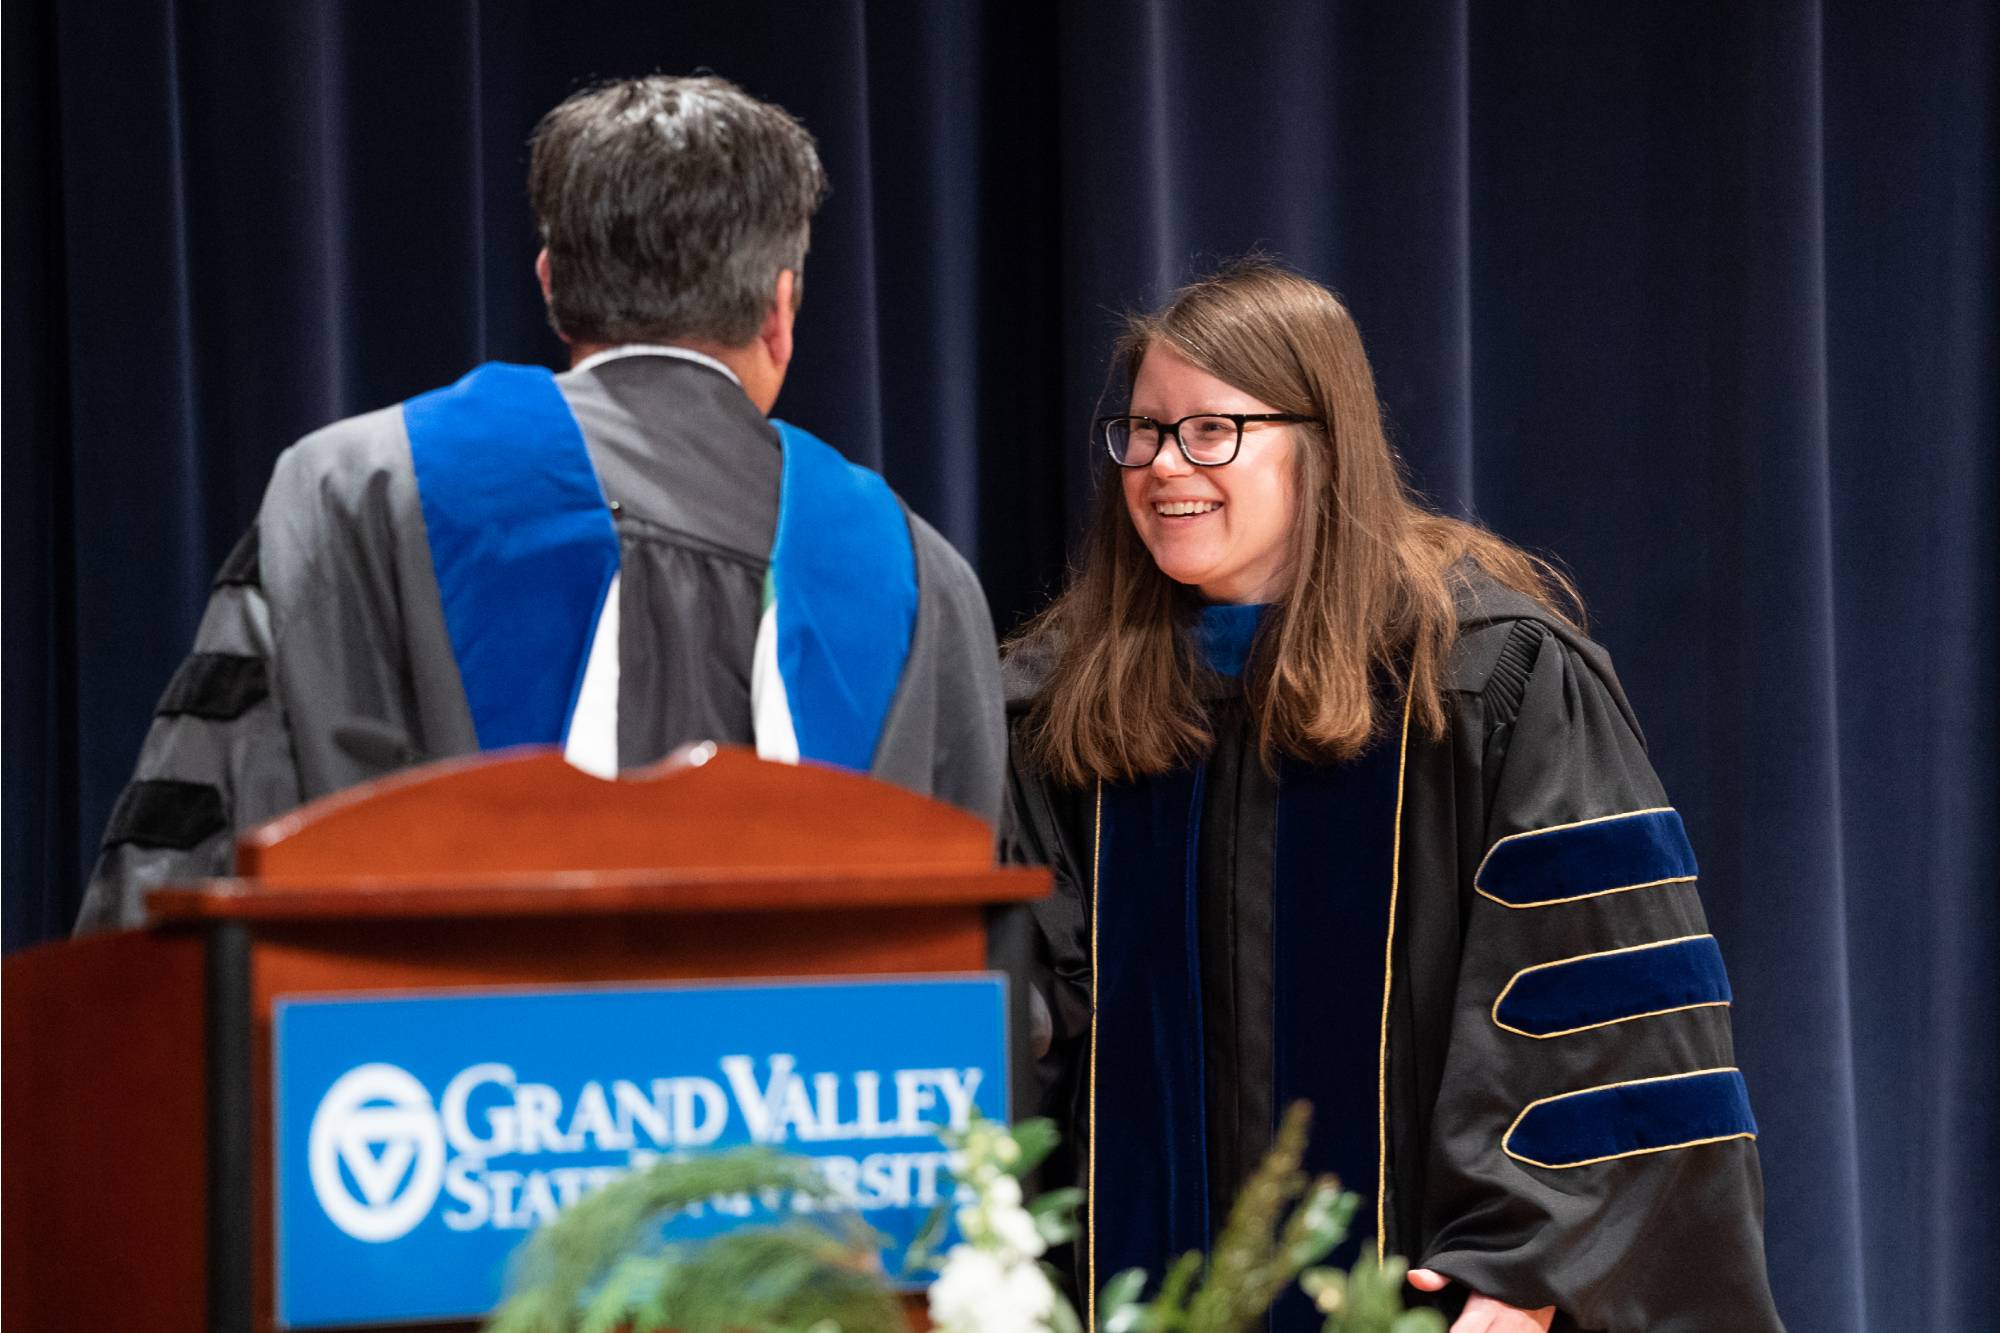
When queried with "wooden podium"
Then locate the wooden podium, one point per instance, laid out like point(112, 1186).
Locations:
point(138, 1065)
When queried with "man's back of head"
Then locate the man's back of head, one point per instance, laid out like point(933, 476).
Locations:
point(668, 208)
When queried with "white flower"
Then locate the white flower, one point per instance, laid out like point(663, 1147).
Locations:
point(977, 1292)
point(991, 1283)
point(1027, 1294)
point(1013, 1228)
point(964, 1287)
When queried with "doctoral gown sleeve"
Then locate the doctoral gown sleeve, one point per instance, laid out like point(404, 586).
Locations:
point(1046, 823)
point(1591, 1144)
point(946, 730)
point(1037, 827)
point(217, 757)
point(321, 661)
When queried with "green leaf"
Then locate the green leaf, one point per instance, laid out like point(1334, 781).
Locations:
point(1125, 1319)
point(1036, 1139)
point(1056, 1201)
point(1327, 1287)
point(631, 1286)
point(921, 1256)
point(1058, 1230)
point(1174, 1288)
point(1122, 1290)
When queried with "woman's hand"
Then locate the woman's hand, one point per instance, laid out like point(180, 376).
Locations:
point(1483, 1314)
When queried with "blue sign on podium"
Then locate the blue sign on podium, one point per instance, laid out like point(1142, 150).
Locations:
point(420, 1139)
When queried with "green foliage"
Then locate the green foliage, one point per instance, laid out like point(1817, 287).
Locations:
point(921, 1254)
point(1369, 1299)
point(783, 1279)
point(1035, 1139)
point(1283, 1223)
point(1055, 1215)
point(600, 1266)
point(1120, 1296)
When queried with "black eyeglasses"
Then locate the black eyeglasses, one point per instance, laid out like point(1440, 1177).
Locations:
point(1207, 439)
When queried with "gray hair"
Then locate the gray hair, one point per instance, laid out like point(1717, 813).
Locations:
point(669, 206)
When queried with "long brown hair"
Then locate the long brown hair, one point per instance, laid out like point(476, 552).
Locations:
point(1369, 593)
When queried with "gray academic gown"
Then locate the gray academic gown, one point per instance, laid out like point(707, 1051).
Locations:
point(323, 658)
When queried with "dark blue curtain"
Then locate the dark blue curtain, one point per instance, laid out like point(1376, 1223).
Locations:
point(1699, 297)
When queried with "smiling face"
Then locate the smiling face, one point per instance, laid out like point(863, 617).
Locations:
point(1224, 530)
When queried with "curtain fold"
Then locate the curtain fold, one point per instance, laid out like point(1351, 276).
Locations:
point(1701, 299)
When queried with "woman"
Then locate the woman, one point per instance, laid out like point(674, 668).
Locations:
point(1342, 805)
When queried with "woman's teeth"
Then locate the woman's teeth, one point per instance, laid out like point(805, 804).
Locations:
point(1181, 508)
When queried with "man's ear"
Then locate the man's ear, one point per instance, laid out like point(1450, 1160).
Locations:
point(776, 334)
point(548, 296)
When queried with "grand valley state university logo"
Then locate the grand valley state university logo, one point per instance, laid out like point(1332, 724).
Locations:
point(380, 1124)
point(508, 1153)
point(420, 1138)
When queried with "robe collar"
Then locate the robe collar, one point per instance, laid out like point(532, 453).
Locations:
point(1225, 633)
point(619, 353)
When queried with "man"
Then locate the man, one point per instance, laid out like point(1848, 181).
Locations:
point(620, 559)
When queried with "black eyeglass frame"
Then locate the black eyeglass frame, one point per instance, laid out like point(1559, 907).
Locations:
point(1173, 428)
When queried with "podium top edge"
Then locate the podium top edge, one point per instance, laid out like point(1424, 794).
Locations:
point(595, 894)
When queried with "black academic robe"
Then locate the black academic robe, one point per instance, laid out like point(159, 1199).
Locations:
point(1542, 1039)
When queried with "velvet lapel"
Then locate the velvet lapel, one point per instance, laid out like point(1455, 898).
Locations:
point(1150, 1188)
point(1330, 919)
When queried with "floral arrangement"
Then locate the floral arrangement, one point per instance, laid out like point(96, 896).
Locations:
point(1279, 1229)
point(602, 1266)
point(993, 1280)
